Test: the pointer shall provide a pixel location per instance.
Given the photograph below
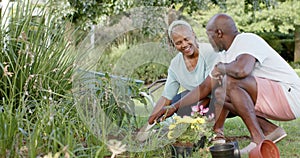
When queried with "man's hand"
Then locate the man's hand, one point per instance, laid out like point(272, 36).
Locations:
point(216, 74)
point(161, 115)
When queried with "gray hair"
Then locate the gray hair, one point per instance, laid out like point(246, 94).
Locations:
point(176, 23)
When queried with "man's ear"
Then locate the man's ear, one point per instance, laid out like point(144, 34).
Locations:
point(220, 33)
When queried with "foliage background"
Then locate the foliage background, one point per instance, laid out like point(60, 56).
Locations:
point(269, 19)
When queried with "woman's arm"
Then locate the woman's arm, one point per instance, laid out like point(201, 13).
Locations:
point(158, 106)
point(197, 94)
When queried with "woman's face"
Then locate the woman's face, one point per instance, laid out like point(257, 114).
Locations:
point(184, 40)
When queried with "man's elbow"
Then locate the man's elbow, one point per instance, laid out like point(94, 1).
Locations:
point(241, 74)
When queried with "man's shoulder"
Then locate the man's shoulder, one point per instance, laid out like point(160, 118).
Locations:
point(248, 36)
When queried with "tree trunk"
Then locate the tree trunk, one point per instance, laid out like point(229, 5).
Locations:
point(297, 43)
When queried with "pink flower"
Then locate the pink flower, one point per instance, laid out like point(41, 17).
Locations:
point(203, 110)
point(211, 116)
point(193, 113)
point(199, 109)
point(195, 108)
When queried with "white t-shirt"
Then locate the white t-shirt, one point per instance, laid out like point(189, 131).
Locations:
point(178, 74)
point(269, 65)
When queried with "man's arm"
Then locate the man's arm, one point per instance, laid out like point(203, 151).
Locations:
point(240, 68)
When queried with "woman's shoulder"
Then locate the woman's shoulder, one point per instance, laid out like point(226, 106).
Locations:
point(175, 62)
point(178, 57)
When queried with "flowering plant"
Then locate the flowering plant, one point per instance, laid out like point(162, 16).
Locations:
point(190, 129)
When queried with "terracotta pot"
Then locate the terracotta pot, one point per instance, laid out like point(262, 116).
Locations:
point(266, 149)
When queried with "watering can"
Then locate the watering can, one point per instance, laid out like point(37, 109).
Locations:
point(226, 150)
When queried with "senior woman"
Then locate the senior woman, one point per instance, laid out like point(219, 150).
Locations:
point(188, 68)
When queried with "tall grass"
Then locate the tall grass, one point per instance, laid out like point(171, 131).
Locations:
point(34, 55)
point(37, 116)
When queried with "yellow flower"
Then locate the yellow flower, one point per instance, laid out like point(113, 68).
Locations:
point(187, 119)
point(193, 126)
point(170, 134)
point(197, 128)
point(172, 126)
point(188, 128)
point(176, 117)
point(200, 120)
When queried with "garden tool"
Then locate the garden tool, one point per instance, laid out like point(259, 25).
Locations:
point(144, 132)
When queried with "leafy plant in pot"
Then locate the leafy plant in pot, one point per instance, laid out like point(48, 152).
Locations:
point(190, 132)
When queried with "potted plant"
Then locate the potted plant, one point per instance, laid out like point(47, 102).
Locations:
point(189, 130)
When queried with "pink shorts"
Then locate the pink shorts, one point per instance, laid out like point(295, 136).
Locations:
point(271, 102)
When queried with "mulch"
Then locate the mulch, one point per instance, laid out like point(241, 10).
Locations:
point(236, 138)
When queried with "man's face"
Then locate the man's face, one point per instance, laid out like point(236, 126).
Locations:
point(213, 39)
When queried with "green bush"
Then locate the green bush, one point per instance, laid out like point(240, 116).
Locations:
point(147, 62)
point(282, 43)
point(295, 65)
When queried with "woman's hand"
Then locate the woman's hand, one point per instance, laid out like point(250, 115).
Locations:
point(161, 115)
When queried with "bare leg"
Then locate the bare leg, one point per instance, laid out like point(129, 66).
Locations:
point(242, 94)
point(223, 105)
point(267, 126)
point(220, 112)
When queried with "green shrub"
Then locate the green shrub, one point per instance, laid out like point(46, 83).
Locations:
point(295, 65)
point(147, 62)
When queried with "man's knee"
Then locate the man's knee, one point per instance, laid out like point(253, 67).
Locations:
point(232, 84)
point(220, 95)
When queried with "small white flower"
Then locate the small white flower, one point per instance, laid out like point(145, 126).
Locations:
point(6, 72)
point(116, 147)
